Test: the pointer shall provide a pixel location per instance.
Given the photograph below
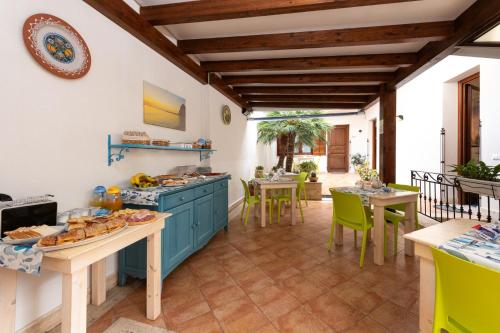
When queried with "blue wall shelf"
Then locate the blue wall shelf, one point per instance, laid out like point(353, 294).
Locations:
point(123, 148)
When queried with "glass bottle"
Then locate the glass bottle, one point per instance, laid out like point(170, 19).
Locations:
point(113, 199)
point(98, 197)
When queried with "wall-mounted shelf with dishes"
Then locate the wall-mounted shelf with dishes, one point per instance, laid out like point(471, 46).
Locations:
point(121, 148)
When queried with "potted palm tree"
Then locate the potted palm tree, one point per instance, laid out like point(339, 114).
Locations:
point(292, 129)
point(477, 177)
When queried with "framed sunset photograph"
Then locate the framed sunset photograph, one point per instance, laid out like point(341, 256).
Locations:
point(163, 108)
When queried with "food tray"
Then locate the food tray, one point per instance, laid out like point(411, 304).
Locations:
point(44, 230)
point(80, 243)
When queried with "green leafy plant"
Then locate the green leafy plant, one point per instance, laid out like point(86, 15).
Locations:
point(259, 167)
point(477, 170)
point(357, 159)
point(365, 172)
point(308, 166)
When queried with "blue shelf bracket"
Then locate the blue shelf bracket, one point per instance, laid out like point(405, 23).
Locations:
point(115, 157)
point(205, 155)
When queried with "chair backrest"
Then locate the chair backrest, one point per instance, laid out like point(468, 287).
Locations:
point(348, 208)
point(403, 187)
point(301, 180)
point(245, 188)
point(467, 295)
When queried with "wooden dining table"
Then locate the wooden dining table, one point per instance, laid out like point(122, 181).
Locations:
point(264, 184)
point(73, 264)
point(380, 199)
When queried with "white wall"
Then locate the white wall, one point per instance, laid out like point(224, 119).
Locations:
point(54, 130)
point(373, 114)
point(429, 103)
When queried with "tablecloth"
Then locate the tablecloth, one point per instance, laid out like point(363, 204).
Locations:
point(20, 258)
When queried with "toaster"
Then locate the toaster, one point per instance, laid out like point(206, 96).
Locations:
point(27, 212)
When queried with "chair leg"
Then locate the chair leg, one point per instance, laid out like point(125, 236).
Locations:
point(395, 227)
point(385, 239)
point(305, 197)
point(332, 232)
point(243, 209)
point(301, 212)
point(363, 248)
point(279, 211)
point(355, 239)
point(248, 213)
point(271, 212)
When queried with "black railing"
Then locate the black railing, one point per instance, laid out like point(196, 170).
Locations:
point(441, 199)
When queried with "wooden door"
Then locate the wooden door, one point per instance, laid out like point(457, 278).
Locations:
point(338, 149)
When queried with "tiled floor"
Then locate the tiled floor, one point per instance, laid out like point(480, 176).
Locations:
point(282, 279)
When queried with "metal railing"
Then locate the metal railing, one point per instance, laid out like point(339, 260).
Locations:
point(441, 199)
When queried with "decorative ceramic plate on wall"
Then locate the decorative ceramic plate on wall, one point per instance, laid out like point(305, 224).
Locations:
point(226, 115)
point(57, 46)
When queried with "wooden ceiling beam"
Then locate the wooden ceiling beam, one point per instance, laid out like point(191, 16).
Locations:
point(220, 86)
point(323, 38)
point(308, 63)
point(307, 90)
point(307, 98)
point(478, 18)
point(307, 105)
point(213, 10)
point(309, 78)
point(124, 16)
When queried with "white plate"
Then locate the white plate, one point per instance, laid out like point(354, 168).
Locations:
point(80, 243)
point(44, 230)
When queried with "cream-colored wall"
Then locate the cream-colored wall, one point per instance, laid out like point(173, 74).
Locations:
point(53, 131)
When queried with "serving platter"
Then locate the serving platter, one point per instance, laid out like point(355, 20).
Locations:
point(80, 243)
point(44, 230)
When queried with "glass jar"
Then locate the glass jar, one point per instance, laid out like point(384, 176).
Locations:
point(113, 199)
point(98, 197)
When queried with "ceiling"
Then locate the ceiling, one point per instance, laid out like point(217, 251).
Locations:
point(318, 54)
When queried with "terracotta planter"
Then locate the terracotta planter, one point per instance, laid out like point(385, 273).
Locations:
point(482, 187)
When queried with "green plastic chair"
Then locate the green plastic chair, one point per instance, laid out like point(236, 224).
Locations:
point(348, 210)
point(467, 296)
point(394, 217)
point(251, 200)
point(287, 198)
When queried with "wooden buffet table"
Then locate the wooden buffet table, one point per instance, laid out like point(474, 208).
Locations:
point(263, 185)
point(380, 200)
point(73, 263)
point(424, 239)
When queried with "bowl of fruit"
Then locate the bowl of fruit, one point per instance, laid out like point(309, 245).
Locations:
point(143, 181)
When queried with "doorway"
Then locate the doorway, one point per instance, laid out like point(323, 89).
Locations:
point(338, 149)
point(374, 144)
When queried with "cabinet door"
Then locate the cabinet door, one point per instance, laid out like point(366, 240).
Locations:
point(203, 220)
point(178, 239)
point(220, 209)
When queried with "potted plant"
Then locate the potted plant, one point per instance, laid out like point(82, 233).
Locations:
point(357, 159)
point(313, 178)
point(259, 171)
point(308, 166)
point(366, 174)
point(477, 177)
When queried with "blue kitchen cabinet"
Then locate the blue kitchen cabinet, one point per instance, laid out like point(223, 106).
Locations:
point(198, 211)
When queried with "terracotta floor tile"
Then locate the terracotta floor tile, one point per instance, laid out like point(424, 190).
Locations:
point(140, 316)
point(237, 264)
point(334, 311)
point(209, 272)
point(252, 280)
point(357, 296)
point(202, 324)
point(235, 309)
point(274, 302)
point(301, 321)
point(269, 328)
point(249, 322)
point(302, 288)
point(101, 324)
point(390, 315)
point(367, 325)
point(218, 293)
point(325, 275)
point(259, 258)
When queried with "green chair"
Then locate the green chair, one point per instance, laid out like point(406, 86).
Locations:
point(287, 198)
point(251, 200)
point(467, 296)
point(348, 210)
point(391, 212)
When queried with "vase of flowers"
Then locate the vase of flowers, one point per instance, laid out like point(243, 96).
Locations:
point(366, 174)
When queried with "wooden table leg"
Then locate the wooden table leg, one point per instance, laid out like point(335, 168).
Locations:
point(8, 287)
point(293, 206)
point(427, 295)
point(378, 237)
point(409, 227)
point(339, 234)
point(74, 301)
point(99, 282)
point(153, 301)
point(262, 207)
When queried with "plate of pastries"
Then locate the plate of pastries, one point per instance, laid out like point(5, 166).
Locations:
point(30, 235)
point(88, 229)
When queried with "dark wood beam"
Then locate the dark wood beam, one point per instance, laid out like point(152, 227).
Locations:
point(387, 153)
point(221, 87)
point(306, 105)
point(307, 98)
point(324, 38)
point(309, 78)
point(478, 18)
point(124, 16)
point(307, 90)
point(213, 10)
point(368, 60)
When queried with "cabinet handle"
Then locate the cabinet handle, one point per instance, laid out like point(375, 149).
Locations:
point(205, 190)
point(181, 199)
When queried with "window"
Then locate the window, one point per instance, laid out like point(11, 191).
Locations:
point(303, 149)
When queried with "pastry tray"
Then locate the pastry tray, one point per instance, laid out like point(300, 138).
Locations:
point(44, 230)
